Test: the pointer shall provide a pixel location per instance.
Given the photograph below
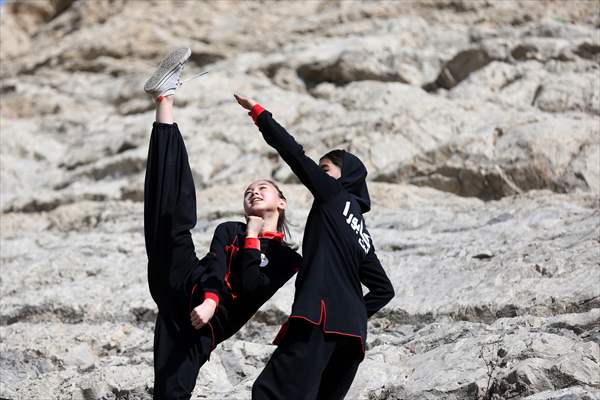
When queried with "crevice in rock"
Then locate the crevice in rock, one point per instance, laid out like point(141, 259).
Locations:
point(115, 167)
point(144, 314)
point(341, 72)
point(402, 317)
point(449, 169)
point(126, 145)
point(60, 6)
point(523, 52)
point(587, 50)
point(43, 312)
point(203, 58)
point(531, 379)
point(468, 391)
point(579, 330)
point(133, 193)
point(489, 313)
point(270, 317)
point(465, 62)
point(458, 69)
point(457, 6)
point(37, 205)
point(485, 184)
point(542, 271)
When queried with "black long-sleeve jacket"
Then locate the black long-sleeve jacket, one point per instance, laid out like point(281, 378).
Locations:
point(337, 249)
point(241, 275)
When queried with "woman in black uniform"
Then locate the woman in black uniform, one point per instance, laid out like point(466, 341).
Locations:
point(323, 341)
point(202, 302)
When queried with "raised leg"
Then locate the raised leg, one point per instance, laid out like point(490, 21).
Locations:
point(169, 214)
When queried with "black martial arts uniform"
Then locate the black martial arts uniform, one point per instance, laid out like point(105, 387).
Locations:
point(239, 273)
point(323, 341)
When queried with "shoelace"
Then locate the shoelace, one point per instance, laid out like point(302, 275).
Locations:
point(194, 77)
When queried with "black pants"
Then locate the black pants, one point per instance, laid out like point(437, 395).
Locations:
point(179, 352)
point(169, 215)
point(309, 364)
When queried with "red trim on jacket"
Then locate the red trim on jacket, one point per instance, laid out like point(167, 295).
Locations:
point(279, 337)
point(252, 243)
point(232, 249)
point(271, 235)
point(256, 111)
point(192, 296)
point(322, 322)
point(212, 296)
point(212, 331)
point(207, 295)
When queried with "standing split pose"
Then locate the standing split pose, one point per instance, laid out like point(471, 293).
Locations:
point(323, 342)
point(202, 302)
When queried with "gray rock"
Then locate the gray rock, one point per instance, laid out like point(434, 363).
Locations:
point(484, 186)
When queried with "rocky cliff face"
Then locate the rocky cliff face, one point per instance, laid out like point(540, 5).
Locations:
point(479, 122)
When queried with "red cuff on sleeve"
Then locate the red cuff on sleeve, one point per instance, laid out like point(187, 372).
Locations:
point(252, 243)
point(256, 111)
point(212, 296)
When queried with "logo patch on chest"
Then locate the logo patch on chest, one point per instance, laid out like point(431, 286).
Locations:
point(264, 261)
point(358, 226)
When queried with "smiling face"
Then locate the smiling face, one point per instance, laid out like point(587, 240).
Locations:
point(261, 198)
point(330, 168)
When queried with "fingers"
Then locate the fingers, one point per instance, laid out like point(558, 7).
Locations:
point(198, 325)
point(242, 101)
point(197, 322)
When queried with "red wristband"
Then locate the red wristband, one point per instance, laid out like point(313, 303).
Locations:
point(252, 243)
point(256, 111)
point(212, 296)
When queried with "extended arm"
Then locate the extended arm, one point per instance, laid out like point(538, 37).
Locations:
point(321, 185)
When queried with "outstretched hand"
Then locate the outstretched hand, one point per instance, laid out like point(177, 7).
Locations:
point(245, 102)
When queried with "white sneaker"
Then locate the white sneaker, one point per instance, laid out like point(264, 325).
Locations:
point(166, 79)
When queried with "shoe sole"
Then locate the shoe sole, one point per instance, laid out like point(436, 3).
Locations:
point(167, 68)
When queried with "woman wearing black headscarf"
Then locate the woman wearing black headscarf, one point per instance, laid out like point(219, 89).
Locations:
point(323, 342)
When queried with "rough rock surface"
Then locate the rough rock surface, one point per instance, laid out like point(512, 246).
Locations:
point(479, 122)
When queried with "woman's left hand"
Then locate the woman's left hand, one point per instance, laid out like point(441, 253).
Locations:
point(245, 102)
point(203, 313)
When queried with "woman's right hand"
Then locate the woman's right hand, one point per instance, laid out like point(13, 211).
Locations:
point(254, 225)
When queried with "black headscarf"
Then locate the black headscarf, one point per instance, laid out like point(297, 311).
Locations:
point(353, 179)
